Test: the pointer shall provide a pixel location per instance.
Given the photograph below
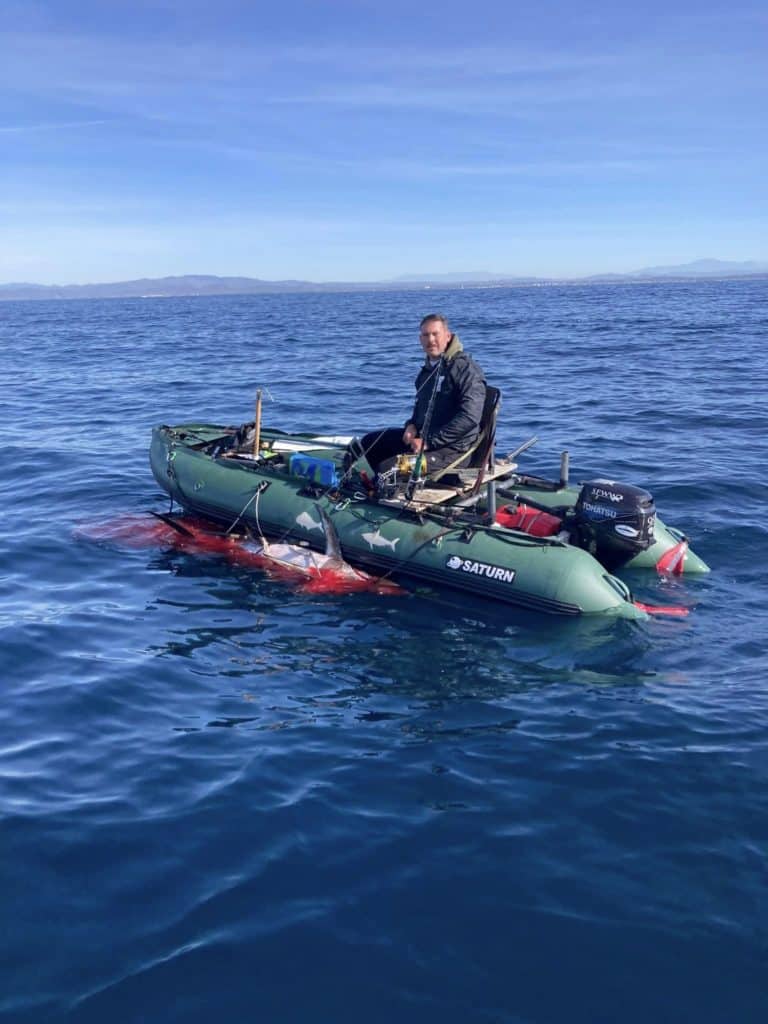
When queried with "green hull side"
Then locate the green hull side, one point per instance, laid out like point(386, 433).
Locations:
point(488, 561)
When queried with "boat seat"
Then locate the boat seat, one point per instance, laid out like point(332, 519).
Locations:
point(481, 452)
point(487, 437)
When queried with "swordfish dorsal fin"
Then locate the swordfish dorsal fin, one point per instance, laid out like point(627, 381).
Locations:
point(332, 545)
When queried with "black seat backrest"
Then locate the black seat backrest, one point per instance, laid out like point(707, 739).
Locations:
point(487, 437)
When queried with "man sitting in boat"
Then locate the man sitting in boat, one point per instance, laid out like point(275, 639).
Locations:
point(445, 422)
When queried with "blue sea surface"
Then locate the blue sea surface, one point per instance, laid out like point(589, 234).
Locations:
point(225, 799)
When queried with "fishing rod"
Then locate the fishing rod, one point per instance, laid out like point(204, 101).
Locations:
point(257, 425)
point(413, 480)
point(522, 448)
point(356, 448)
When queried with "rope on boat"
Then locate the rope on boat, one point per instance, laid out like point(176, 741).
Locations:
point(254, 497)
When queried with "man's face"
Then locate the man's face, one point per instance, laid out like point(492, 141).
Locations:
point(434, 337)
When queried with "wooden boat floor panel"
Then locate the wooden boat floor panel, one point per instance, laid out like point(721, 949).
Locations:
point(428, 496)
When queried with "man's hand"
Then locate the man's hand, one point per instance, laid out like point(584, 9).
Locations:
point(412, 440)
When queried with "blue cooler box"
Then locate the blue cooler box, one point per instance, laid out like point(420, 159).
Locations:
point(319, 471)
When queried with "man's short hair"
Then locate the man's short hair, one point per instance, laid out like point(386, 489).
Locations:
point(435, 316)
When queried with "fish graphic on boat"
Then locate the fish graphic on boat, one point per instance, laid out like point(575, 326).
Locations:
point(377, 540)
point(306, 521)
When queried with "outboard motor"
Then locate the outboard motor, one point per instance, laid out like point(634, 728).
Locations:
point(613, 521)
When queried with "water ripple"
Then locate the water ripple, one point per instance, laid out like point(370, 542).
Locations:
point(223, 797)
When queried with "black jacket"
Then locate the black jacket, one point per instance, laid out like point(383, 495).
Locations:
point(458, 405)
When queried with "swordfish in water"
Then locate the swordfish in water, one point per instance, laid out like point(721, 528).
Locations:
point(321, 572)
point(311, 563)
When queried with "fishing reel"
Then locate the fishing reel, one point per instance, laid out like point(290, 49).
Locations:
point(400, 473)
point(387, 484)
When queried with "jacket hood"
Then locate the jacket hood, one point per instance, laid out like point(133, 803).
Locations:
point(453, 349)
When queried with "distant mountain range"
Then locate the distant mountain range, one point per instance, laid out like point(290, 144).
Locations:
point(702, 268)
point(698, 268)
point(209, 284)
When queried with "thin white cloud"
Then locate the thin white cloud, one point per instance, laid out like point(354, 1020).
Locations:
point(483, 60)
point(472, 98)
point(536, 169)
point(17, 129)
point(486, 163)
point(210, 80)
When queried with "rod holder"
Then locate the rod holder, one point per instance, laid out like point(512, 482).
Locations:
point(564, 468)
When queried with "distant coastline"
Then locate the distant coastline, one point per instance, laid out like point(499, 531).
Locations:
point(209, 285)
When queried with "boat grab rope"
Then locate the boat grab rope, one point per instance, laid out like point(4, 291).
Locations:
point(262, 486)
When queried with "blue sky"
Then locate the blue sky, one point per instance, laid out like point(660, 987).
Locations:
point(340, 141)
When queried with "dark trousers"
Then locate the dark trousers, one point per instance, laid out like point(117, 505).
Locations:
point(381, 445)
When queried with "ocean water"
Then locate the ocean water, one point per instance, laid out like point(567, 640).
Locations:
point(222, 798)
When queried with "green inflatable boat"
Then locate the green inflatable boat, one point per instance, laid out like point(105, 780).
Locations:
point(486, 530)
